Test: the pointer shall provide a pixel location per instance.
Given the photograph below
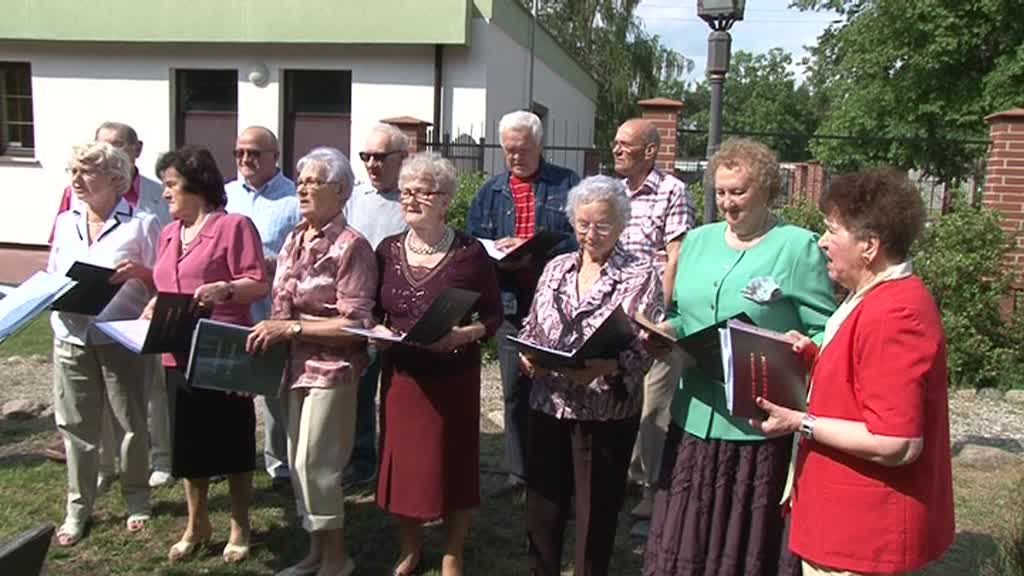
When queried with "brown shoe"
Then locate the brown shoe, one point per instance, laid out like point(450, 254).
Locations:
point(55, 451)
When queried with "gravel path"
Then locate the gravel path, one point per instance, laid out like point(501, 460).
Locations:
point(972, 418)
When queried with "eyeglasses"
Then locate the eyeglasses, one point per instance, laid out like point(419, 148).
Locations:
point(240, 153)
point(314, 182)
point(408, 194)
point(378, 156)
point(84, 172)
point(599, 228)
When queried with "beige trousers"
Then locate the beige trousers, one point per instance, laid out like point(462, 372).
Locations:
point(321, 432)
point(659, 386)
point(85, 378)
point(159, 423)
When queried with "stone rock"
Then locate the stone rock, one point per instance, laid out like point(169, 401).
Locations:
point(47, 412)
point(497, 417)
point(21, 409)
point(1014, 396)
point(985, 457)
point(14, 359)
point(965, 393)
point(990, 394)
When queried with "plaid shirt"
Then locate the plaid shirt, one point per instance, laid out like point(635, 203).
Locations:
point(660, 212)
point(522, 198)
point(334, 275)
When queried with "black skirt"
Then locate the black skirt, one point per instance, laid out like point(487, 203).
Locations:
point(716, 509)
point(214, 432)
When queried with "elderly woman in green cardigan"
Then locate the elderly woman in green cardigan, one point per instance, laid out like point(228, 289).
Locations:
point(716, 510)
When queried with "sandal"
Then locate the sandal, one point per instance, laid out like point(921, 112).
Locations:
point(70, 534)
point(397, 570)
point(184, 548)
point(136, 522)
point(235, 553)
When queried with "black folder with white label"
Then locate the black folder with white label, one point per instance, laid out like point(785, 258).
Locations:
point(169, 330)
point(614, 335)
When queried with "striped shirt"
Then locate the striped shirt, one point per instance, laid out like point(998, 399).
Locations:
point(525, 206)
point(660, 212)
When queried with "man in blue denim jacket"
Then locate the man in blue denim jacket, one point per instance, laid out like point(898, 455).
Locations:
point(509, 208)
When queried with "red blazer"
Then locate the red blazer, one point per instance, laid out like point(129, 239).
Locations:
point(885, 367)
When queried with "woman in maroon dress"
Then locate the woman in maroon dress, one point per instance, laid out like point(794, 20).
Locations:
point(430, 420)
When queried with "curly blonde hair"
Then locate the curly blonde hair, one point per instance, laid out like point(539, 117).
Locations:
point(108, 161)
point(760, 162)
point(430, 167)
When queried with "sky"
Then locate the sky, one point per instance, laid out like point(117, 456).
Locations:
point(766, 24)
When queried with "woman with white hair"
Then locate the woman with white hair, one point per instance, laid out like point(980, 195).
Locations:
point(430, 416)
point(90, 370)
point(583, 422)
point(326, 279)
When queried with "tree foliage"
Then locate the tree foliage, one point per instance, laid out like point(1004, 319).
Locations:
point(628, 63)
point(761, 95)
point(913, 80)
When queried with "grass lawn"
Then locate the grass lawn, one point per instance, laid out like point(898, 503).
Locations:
point(34, 339)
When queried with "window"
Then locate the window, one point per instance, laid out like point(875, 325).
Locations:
point(317, 112)
point(17, 137)
point(206, 113)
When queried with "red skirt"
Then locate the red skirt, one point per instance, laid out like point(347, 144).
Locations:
point(430, 439)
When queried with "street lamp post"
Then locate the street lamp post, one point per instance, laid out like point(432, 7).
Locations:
point(720, 16)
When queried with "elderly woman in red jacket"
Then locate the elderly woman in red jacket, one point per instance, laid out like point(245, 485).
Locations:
point(873, 491)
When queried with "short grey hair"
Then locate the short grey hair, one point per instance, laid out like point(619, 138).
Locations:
point(522, 121)
point(431, 167)
point(599, 189)
point(397, 139)
point(339, 169)
point(107, 160)
point(131, 137)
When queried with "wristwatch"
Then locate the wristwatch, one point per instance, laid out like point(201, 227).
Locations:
point(807, 426)
point(295, 329)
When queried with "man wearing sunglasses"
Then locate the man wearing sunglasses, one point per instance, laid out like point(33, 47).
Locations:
point(264, 194)
point(375, 211)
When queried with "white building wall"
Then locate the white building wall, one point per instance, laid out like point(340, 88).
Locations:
point(75, 88)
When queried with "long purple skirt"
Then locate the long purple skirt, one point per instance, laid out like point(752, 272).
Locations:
point(716, 509)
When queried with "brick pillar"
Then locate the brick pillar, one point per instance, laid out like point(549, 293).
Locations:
point(413, 128)
point(1004, 181)
point(664, 113)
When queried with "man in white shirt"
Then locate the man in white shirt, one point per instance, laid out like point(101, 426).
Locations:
point(375, 211)
point(264, 194)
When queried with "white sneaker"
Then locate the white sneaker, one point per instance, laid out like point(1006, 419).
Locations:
point(160, 478)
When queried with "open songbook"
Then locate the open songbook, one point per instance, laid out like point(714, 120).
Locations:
point(538, 245)
point(218, 360)
point(759, 362)
point(85, 289)
point(169, 330)
point(703, 346)
point(450, 307)
point(613, 336)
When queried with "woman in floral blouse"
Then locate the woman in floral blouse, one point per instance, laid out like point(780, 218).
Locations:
point(326, 279)
point(583, 422)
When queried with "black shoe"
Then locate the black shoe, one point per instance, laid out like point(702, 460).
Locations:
point(513, 487)
point(279, 484)
point(355, 477)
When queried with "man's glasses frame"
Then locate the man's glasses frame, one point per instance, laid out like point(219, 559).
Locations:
point(378, 156)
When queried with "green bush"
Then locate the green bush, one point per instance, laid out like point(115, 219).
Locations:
point(467, 188)
point(960, 258)
point(803, 213)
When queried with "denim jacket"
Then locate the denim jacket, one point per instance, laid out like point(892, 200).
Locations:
point(492, 215)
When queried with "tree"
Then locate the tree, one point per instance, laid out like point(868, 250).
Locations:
point(761, 95)
point(912, 81)
point(610, 41)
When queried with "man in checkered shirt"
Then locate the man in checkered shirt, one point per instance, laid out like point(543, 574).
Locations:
point(661, 214)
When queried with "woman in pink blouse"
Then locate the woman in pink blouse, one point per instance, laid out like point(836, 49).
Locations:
point(326, 279)
point(218, 259)
point(583, 422)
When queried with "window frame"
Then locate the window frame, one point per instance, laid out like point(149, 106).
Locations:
point(7, 150)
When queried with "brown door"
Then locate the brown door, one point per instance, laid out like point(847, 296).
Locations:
point(317, 112)
point(206, 114)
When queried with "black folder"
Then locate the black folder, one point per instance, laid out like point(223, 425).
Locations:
point(91, 293)
point(448, 310)
point(25, 553)
point(704, 345)
point(613, 336)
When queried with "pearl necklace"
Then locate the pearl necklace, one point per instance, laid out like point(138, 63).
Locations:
point(422, 249)
point(199, 226)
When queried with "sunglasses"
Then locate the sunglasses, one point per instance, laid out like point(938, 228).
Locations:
point(256, 153)
point(378, 156)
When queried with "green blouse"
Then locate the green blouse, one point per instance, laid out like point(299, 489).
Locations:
point(708, 289)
